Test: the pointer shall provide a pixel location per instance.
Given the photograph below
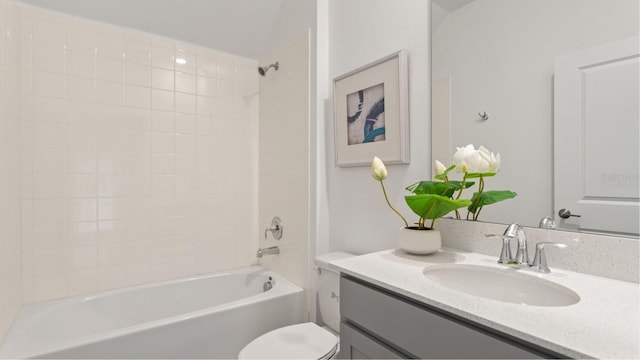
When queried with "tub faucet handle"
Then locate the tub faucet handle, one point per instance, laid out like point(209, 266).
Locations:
point(276, 229)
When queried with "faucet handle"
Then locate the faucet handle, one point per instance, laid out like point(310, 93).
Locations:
point(540, 259)
point(276, 228)
point(505, 253)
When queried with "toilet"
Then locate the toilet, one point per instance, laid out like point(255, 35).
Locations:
point(306, 340)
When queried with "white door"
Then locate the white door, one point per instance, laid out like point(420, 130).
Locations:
point(596, 131)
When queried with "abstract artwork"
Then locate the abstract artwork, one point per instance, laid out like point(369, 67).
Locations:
point(365, 115)
point(371, 113)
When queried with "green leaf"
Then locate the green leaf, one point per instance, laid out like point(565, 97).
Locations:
point(477, 175)
point(437, 188)
point(489, 197)
point(431, 206)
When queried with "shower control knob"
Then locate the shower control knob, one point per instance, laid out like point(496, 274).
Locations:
point(565, 214)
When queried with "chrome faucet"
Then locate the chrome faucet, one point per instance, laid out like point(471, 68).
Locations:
point(516, 231)
point(513, 231)
point(274, 250)
point(540, 260)
point(522, 255)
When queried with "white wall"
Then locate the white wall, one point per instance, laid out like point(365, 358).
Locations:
point(10, 258)
point(361, 31)
point(134, 168)
point(284, 158)
point(500, 55)
point(294, 17)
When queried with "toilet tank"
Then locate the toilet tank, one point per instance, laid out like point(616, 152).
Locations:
point(328, 287)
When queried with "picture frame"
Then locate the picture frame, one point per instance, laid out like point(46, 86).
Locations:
point(371, 113)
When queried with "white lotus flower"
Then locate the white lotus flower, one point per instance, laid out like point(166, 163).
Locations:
point(471, 161)
point(378, 170)
point(440, 168)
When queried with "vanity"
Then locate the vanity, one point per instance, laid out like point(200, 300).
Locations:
point(397, 305)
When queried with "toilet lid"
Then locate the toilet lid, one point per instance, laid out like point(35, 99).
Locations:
point(300, 341)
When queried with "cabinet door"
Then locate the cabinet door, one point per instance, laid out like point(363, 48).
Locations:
point(356, 345)
point(416, 329)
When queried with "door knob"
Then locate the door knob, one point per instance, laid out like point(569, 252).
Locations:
point(565, 214)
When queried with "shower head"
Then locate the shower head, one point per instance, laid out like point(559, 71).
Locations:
point(263, 69)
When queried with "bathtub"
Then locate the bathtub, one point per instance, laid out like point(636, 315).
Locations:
point(210, 316)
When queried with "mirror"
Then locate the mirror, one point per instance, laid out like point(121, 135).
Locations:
point(497, 57)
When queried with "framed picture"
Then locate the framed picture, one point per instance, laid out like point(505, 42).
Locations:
point(371, 113)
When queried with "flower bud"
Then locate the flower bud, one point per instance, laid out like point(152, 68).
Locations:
point(440, 168)
point(378, 170)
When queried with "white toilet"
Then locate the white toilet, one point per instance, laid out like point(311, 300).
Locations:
point(306, 340)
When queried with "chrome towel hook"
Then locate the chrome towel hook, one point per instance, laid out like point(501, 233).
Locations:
point(484, 116)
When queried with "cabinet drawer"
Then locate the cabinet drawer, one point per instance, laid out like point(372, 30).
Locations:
point(357, 345)
point(419, 330)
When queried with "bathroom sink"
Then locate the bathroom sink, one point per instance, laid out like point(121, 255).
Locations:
point(507, 285)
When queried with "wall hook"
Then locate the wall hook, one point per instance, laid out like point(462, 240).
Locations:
point(484, 116)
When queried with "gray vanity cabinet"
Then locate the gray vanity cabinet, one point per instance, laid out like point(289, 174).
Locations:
point(377, 323)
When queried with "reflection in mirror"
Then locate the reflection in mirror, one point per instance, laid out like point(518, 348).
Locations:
point(497, 57)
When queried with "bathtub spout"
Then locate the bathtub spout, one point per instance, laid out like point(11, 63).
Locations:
point(274, 250)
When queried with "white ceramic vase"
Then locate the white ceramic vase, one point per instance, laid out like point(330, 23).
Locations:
point(419, 241)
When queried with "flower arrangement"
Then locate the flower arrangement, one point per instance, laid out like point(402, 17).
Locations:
point(435, 199)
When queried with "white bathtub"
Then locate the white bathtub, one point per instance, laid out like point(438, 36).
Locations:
point(211, 316)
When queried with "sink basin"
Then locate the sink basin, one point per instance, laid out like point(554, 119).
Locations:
point(505, 285)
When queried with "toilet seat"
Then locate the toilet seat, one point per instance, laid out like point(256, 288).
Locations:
point(300, 341)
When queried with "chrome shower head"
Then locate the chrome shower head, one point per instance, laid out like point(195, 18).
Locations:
point(262, 70)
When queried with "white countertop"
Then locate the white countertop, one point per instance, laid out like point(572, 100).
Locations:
point(605, 322)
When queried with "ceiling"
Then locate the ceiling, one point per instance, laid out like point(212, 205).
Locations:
point(241, 27)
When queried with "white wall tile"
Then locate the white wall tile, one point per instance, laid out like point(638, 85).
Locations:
point(186, 124)
point(137, 119)
point(48, 84)
point(207, 86)
point(186, 144)
point(49, 110)
point(163, 143)
point(82, 209)
point(162, 100)
point(185, 103)
point(83, 282)
point(81, 88)
point(110, 92)
point(118, 184)
point(82, 258)
point(49, 58)
point(49, 237)
point(162, 121)
point(206, 105)
point(137, 96)
point(110, 69)
point(48, 34)
point(162, 57)
point(137, 74)
point(110, 45)
point(162, 79)
point(207, 66)
point(227, 70)
point(185, 83)
point(49, 287)
point(82, 233)
point(185, 61)
point(81, 39)
point(137, 51)
point(48, 161)
point(49, 135)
